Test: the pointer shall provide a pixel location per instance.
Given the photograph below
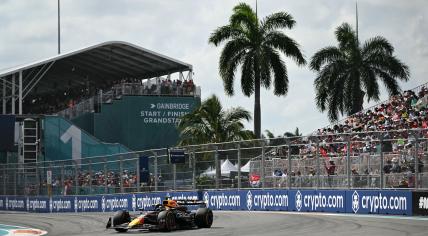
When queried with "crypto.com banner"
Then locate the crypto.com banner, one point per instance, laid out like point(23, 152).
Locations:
point(340, 201)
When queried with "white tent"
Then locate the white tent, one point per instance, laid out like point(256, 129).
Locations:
point(226, 167)
point(209, 172)
point(246, 167)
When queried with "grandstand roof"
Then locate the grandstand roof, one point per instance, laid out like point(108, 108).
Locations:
point(112, 60)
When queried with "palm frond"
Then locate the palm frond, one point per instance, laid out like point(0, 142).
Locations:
point(280, 72)
point(325, 56)
point(278, 20)
point(248, 75)
point(288, 46)
point(346, 37)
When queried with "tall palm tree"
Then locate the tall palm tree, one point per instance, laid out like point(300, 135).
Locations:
point(257, 47)
point(349, 72)
point(210, 123)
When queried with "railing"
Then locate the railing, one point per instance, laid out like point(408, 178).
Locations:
point(153, 88)
point(374, 160)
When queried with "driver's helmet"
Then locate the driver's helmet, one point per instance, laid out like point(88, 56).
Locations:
point(170, 203)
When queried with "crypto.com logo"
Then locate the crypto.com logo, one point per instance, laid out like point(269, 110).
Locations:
point(134, 202)
point(249, 200)
point(207, 199)
point(299, 200)
point(355, 201)
point(103, 204)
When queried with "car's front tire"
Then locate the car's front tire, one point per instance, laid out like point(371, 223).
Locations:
point(121, 217)
point(166, 220)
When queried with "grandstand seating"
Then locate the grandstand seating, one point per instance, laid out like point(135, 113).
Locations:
point(393, 120)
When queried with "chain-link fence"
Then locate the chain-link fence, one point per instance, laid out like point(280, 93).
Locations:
point(370, 160)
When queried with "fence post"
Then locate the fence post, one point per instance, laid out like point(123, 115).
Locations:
point(37, 180)
point(62, 179)
point(138, 175)
point(193, 170)
point(105, 176)
point(217, 169)
point(382, 174)
point(262, 165)
point(90, 176)
point(348, 161)
point(121, 173)
point(24, 177)
point(4, 180)
point(289, 163)
point(239, 165)
point(14, 181)
point(156, 171)
point(317, 154)
point(76, 178)
point(416, 160)
point(174, 176)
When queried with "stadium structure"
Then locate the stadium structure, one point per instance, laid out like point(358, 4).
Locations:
point(109, 98)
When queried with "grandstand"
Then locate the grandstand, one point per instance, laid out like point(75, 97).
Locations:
point(386, 146)
point(100, 100)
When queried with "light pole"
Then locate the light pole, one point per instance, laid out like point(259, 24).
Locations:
point(59, 31)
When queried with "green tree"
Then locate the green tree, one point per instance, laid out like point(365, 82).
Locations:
point(257, 47)
point(210, 123)
point(349, 72)
point(295, 134)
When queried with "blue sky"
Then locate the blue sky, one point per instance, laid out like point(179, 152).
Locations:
point(180, 29)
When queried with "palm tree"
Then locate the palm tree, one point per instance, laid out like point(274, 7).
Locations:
point(295, 134)
point(257, 46)
point(210, 123)
point(349, 72)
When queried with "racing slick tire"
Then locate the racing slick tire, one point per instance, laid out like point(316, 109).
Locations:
point(204, 218)
point(166, 221)
point(121, 217)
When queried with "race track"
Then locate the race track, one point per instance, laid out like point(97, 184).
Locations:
point(234, 223)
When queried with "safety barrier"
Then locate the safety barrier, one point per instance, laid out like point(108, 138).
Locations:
point(356, 201)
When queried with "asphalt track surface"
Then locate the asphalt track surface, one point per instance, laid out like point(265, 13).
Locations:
point(233, 223)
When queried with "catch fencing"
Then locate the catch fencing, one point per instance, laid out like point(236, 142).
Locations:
point(370, 160)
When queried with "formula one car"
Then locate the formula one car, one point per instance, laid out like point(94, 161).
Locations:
point(168, 216)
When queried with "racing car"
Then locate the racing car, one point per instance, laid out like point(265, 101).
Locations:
point(168, 216)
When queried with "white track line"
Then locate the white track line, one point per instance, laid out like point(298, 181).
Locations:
point(338, 214)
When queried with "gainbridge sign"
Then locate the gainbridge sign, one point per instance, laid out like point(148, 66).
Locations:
point(143, 122)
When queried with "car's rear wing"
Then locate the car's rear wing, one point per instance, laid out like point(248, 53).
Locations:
point(185, 202)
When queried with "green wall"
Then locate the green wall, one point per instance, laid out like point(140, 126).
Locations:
point(142, 122)
point(64, 141)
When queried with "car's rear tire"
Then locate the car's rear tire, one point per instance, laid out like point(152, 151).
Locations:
point(166, 220)
point(204, 218)
point(121, 217)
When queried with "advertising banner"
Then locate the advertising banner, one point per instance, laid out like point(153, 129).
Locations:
point(116, 202)
point(362, 201)
point(266, 200)
point(420, 203)
point(2, 203)
point(340, 201)
point(62, 204)
point(395, 202)
point(38, 204)
point(14, 203)
point(225, 200)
